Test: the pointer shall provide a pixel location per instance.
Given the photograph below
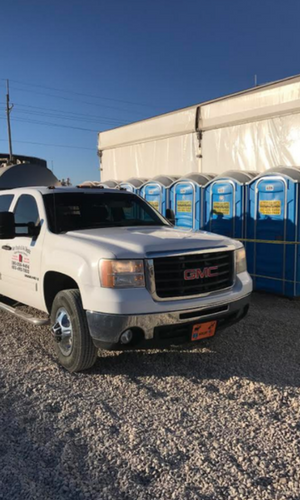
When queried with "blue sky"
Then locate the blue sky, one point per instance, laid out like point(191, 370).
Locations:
point(97, 64)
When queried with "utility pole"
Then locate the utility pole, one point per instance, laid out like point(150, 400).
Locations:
point(8, 110)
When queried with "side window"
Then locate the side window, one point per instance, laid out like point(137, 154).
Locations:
point(26, 211)
point(5, 202)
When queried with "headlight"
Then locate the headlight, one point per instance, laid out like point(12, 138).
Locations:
point(240, 259)
point(122, 273)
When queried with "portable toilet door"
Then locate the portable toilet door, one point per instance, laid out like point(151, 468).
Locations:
point(186, 200)
point(224, 203)
point(272, 234)
point(133, 184)
point(156, 192)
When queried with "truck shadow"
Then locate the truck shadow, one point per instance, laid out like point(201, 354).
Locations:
point(264, 347)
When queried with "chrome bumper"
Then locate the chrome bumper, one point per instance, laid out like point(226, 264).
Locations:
point(106, 329)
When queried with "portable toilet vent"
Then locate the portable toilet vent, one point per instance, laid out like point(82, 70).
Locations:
point(157, 191)
point(224, 203)
point(133, 184)
point(272, 232)
point(186, 200)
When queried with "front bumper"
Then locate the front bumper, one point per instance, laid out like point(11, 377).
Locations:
point(152, 330)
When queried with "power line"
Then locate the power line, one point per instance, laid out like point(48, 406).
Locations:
point(65, 117)
point(84, 94)
point(76, 100)
point(36, 122)
point(71, 113)
point(52, 145)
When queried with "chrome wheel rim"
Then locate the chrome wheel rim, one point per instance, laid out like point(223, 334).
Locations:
point(63, 331)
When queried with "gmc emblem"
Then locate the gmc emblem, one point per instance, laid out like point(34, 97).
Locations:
point(195, 274)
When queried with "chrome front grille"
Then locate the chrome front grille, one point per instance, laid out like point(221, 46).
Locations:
point(194, 274)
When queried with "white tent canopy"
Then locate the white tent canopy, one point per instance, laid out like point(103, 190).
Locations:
point(261, 103)
point(169, 125)
point(252, 130)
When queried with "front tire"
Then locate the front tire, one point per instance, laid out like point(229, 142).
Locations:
point(73, 344)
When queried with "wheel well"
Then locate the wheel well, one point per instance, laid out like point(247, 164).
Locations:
point(55, 282)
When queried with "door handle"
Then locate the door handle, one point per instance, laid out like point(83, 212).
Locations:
point(6, 247)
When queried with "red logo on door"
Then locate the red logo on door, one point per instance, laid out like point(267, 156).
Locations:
point(20, 258)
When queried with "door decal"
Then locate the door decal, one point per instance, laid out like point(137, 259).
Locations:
point(270, 207)
point(154, 204)
point(221, 207)
point(21, 259)
point(184, 206)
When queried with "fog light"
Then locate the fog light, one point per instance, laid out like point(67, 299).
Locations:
point(126, 337)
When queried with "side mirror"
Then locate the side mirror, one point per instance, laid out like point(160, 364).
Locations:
point(7, 226)
point(33, 230)
point(170, 215)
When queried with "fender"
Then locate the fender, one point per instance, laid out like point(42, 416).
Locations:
point(79, 263)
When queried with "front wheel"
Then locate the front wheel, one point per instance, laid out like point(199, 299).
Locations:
point(74, 346)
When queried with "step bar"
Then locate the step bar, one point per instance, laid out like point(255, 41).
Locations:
point(24, 316)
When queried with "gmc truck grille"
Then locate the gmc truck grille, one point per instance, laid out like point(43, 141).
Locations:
point(195, 274)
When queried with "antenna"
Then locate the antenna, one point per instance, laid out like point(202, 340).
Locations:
point(8, 110)
point(255, 80)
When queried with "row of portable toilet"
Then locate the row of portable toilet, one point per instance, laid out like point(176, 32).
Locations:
point(262, 210)
point(182, 195)
point(198, 201)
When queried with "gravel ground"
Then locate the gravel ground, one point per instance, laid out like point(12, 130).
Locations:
point(216, 421)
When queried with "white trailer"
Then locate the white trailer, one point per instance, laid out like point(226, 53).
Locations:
point(253, 130)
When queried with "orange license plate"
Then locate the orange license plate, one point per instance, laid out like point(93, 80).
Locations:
point(204, 330)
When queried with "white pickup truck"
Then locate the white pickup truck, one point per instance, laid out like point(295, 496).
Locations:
point(110, 272)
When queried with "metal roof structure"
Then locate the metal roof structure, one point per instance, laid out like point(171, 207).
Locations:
point(4, 159)
point(26, 174)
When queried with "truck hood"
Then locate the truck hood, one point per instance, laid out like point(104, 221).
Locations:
point(145, 242)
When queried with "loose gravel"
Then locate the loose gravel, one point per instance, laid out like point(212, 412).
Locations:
point(220, 420)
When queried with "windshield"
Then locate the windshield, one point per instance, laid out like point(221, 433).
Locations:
point(74, 211)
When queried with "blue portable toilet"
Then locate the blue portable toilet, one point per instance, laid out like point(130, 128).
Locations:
point(224, 203)
point(133, 184)
point(186, 200)
point(272, 232)
point(157, 191)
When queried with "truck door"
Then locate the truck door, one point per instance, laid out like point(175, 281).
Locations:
point(21, 257)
